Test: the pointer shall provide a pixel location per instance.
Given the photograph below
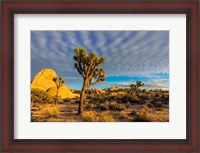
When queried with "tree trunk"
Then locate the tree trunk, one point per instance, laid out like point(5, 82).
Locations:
point(82, 98)
point(56, 100)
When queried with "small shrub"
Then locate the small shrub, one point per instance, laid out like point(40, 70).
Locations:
point(60, 100)
point(96, 98)
point(103, 106)
point(107, 117)
point(62, 109)
point(144, 97)
point(113, 106)
point(143, 114)
point(90, 105)
point(92, 116)
point(35, 98)
point(166, 102)
point(132, 98)
point(159, 109)
point(156, 95)
point(117, 107)
point(133, 112)
point(157, 104)
point(165, 97)
point(123, 115)
point(86, 103)
point(128, 105)
point(150, 105)
point(40, 96)
point(50, 111)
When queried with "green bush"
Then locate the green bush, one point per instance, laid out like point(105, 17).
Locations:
point(132, 98)
point(117, 107)
point(103, 106)
point(40, 96)
point(96, 98)
point(112, 106)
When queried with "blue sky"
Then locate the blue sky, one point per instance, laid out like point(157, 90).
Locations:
point(129, 55)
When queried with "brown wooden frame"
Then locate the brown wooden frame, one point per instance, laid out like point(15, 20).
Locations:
point(11, 7)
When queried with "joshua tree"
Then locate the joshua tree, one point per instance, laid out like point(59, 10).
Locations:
point(139, 84)
point(87, 65)
point(135, 87)
point(59, 83)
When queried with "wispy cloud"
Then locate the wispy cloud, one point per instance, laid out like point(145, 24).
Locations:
point(126, 53)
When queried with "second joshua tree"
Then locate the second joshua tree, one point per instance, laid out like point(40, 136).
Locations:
point(87, 65)
point(59, 83)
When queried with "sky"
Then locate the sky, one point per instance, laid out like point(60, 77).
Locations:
point(129, 56)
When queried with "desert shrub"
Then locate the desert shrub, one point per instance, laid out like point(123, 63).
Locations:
point(117, 107)
point(143, 114)
point(159, 109)
point(90, 105)
point(107, 117)
point(103, 106)
point(150, 105)
point(59, 100)
point(132, 98)
point(86, 103)
point(35, 98)
point(158, 104)
point(92, 116)
point(166, 102)
point(112, 106)
point(40, 96)
point(62, 109)
point(165, 97)
point(128, 105)
point(123, 115)
point(50, 111)
point(157, 95)
point(96, 97)
point(144, 97)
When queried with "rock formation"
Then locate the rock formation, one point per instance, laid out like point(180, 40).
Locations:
point(44, 81)
point(95, 91)
point(115, 89)
point(63, 92)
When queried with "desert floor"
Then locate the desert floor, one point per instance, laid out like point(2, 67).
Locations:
point(100, 111)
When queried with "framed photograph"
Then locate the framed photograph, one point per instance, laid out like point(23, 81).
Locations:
point(100, 76)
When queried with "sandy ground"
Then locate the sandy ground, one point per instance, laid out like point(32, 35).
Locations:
point(67, 112)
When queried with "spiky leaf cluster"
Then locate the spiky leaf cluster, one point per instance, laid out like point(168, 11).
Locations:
point(139, 84)
point(59, 82)
point(87, 65)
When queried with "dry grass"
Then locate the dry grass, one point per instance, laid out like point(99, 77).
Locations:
point(143, 114)
point(51, 111)
point(92, 116)
point(148, 106)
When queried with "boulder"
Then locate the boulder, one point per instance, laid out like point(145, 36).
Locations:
point(114, 89)
point(63, 92)
point(98, 91)
point(44, 81)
